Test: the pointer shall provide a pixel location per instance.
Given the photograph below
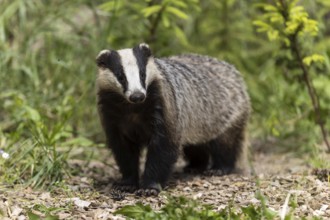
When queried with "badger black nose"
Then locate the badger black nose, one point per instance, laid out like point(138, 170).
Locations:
point(137, 97)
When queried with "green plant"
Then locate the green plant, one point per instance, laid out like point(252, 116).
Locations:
point(176, 208)
point(42, 88)
point(38, 160)
point(289, 24)
point(46, 213)
point(157, 22)
point(184, 208)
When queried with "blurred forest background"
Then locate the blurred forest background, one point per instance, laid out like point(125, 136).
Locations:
point(47, 71)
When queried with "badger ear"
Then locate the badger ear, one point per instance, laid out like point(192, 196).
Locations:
point(103, 58)
point(145, 49)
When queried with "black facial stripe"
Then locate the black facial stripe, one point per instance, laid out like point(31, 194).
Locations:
point(115, 65)
point(141, 60)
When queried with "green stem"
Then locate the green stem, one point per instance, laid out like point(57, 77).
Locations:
point(295, 50)
point(311, 90)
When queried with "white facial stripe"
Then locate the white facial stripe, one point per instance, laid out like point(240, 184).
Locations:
point(131, 70)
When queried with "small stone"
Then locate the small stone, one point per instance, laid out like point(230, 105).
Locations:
point(254, 201)
point(205, 185)
point(80, 203)
point(21, 217)
point(318, 213)
point(324, 207)
point(197, 196)
point(16, 211)
point(187, 189)
point(45, 196)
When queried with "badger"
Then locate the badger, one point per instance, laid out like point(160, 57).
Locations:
point(190, 103)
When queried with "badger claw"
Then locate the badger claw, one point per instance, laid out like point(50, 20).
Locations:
point(152, 189)
point(147, 192)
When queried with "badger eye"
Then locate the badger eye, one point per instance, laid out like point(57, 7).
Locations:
point(121, 78)
point(101, 64)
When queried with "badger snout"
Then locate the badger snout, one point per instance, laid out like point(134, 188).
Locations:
point(137, 97)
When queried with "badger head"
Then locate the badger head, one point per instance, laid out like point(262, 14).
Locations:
point(127, 71)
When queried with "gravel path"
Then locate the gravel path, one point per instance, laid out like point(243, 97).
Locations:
point(88, 196)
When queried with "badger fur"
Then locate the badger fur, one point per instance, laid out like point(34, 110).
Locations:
point(190, 103)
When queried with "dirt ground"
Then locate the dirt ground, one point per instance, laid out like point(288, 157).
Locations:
point(88, 195)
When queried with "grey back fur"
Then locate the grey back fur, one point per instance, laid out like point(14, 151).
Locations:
point(203, 97)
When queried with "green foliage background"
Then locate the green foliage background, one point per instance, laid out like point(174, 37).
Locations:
point(47, 71)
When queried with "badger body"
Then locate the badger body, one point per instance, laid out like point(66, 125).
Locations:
point(190, 103)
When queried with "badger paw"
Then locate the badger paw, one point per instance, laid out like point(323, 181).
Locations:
point(149, 190)
point(124, 187)
point(117, 195)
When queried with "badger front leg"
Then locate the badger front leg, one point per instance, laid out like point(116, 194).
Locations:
point(161, 157)
point(127, 158)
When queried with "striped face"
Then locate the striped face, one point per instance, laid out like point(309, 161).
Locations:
point(125, 71)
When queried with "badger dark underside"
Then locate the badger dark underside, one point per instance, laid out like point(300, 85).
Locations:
point(128, 128)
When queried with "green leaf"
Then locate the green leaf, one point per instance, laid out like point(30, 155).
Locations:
point(250, 211)
point(181, 35)
point(276, 18)
point(275, 132)
point(297, 9)
point(270, 214)
point(177, 12)
point(322, 84)
point(110, 5)
point(315, 58)
point(32, 113)
point(133, 211)
point(268, 7)
point(33, 216)
point(166, 21)
point(177, 3)
point(51, 217)
point(147, 12)
point(273, 35)
point(261, 26)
